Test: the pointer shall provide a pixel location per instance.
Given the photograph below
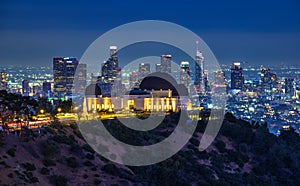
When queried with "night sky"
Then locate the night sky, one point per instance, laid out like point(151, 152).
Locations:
point(32, 32)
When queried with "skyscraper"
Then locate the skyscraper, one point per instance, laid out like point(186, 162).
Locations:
point(3, 80)
point(205, 81)
point(71, 66)
point(46, 89)
point(185, 73)
point(63, 74)
point(199, 68)
point(81, 76)
point(110, 68)
point(219, 88)
point(220, 77)
point(268, 80)
point(111, 79)
point(134, 80)
point(158, 67)
point(166, 63)
point(237, 78)
point(144, 69)
point(289, 87)
point(25, 88)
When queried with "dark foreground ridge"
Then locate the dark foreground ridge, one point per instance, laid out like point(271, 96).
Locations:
point(242, 154)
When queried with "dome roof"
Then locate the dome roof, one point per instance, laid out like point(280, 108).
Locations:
point(164, 81)
point(92, 90)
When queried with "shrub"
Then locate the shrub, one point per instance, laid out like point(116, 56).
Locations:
point(85, 176)
point(110, 169)
point(97, 182)
point(221, 146)
point(72, 162)
point(88, 163)
point(49, 162)
point(195, 141)
point(48, 149)
point(89, 156)
point(45, 171)
point(1, 140)
point(58, 180)
point(28, 166)
point(88, 148)
point(10, 175)
point(11, 152)
point(50, 130)
point(64, 139)
point(94, 168)
point(56, 124)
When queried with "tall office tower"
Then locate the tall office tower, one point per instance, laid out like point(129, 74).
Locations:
point(111, 79)
point(110, 68)
point(25, 88)
point(220, 77)
point(268, 80)
point(205, 81)
point(59, 77)
point(265, 80)
point(3, 81)
point(46, 90)
point(219, 88)
point(81, 75)
point(165, 61)
point(199, 68)
point(265, 75)
point(144, 69)
point(134, 80)
point(158, 67)
point(185, 73)
point(274, 82)
point(36, 90)
point(289, 87)
point(63, 74)
point(237, 78)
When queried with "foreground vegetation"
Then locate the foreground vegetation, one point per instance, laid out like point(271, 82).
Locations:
point(242, 154)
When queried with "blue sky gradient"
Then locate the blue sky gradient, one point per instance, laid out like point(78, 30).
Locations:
point(259, 32)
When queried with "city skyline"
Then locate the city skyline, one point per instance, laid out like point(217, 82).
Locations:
point(149, 92)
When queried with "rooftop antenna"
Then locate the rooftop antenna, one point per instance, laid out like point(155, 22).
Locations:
point(197, 45)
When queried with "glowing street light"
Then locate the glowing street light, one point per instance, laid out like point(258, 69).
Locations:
point(42, 111)
point(59, 109)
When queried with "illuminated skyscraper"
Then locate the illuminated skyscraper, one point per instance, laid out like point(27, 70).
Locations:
point(237, 78)
point(25, 88)
point(3, 80)
point(63, 74)
point(81, 76)
point(134, 80)
point(289, 87)
point(199, 67)
point(71, 66)
point(185, 73)
point(220, 77)
point(219, 88)
point(205, 81)
point(166, 63)
point(111, 80)
point(158, 67)
point(268, 80)
point(46, 89)
point(144, 69)
point(110, 68)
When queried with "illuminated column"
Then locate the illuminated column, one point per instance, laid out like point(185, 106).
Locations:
point(95, 104)
point(173, 104)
